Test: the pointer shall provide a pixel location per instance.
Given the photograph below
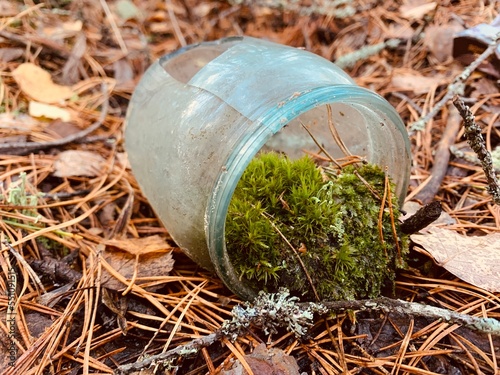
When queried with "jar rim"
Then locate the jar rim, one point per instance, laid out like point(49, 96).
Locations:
point(273, 121)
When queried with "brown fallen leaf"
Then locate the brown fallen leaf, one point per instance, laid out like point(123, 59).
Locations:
point(78, 163)
point(38, 85)
point(415, 82)
point(140, 246)
point(62, 30)
point(265, 361)
point(61, 129)
point(474, 259)
point(136, 257)
point(439, 40)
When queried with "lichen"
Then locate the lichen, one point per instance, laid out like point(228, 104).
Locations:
point(332, 224)
point(270, 311)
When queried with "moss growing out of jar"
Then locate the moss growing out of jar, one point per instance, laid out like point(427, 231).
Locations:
point(290, 226)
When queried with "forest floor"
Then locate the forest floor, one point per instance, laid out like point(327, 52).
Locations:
point(73, 299)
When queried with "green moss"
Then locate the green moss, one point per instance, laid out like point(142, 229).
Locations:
point(332, 223)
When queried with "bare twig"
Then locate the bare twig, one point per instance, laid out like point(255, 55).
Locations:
point(476, 142)
point(333, 8)
point(271, 311)
point(32, 274)
point(456, 87)
point(349, 60)
point(37, 41)
point(410, 102)
point(191, 347)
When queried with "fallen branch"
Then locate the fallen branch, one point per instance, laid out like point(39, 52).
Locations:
point(456, 87)
point(270, 311)
point(476, 142)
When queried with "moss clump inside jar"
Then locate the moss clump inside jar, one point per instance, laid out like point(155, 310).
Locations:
point(324, 232)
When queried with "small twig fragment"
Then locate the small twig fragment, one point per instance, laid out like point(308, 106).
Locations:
point(304, 268)
point(422, 218)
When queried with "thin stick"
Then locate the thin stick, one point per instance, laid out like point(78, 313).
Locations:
point(381, 218)
point(251, 314)
point(25, 264)
point(476, 142)
point(368, 186)
point(441, 159)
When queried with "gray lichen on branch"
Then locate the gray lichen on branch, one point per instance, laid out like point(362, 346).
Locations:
point(457, 86)
point(271, 311)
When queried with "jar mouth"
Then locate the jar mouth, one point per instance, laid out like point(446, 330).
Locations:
point(348, 103)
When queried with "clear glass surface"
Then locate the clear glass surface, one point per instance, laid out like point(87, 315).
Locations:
point(200, 114)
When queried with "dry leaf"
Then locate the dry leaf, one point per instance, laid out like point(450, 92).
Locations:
point(78, 163)
point(9, 8)
point(62, 129)
point(122, 159)
point(37, 109)
point(18, 121)
point(415, 82)
point(416, 10)
point(10, 54)
point(140, 246)
point(474, 259)
point(266, 361)
point(439, 40)
point(149, 257)
point(63, 30)
point(127, 10)
point(37, 84)
point(202, 10)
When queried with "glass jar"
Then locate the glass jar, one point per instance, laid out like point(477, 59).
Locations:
point(200, 114)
